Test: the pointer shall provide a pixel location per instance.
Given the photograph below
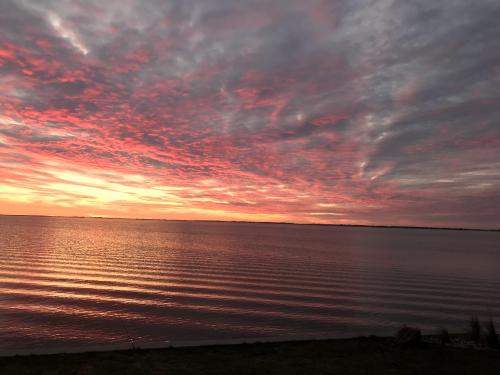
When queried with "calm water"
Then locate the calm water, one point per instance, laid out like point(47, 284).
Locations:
point(79, 282)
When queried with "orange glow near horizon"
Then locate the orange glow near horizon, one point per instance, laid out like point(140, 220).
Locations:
point(66, 191)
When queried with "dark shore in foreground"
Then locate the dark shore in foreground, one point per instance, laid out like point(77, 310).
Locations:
point(341, 356)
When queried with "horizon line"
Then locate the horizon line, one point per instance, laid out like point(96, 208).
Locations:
point(388, 226)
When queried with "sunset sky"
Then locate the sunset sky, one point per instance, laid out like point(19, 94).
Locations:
point(317, 111)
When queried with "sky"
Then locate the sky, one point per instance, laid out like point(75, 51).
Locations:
point(379, 112)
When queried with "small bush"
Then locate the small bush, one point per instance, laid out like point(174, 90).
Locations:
point(491, 335)
point(408, 336)
point(444, 336)
point(474, 329)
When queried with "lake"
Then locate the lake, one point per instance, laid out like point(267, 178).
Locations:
point(77, 282)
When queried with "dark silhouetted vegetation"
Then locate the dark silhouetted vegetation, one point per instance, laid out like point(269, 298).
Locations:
point(408, 336)
point(444, 336)
point(491, 335)
point(474, 329)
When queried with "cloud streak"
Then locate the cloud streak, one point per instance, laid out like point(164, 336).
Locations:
point(354, 111)
point(66, 33)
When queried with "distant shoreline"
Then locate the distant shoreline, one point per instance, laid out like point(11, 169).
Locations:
point(266, 222)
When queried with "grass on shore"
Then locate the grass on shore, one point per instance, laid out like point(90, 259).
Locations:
point(345, 356)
